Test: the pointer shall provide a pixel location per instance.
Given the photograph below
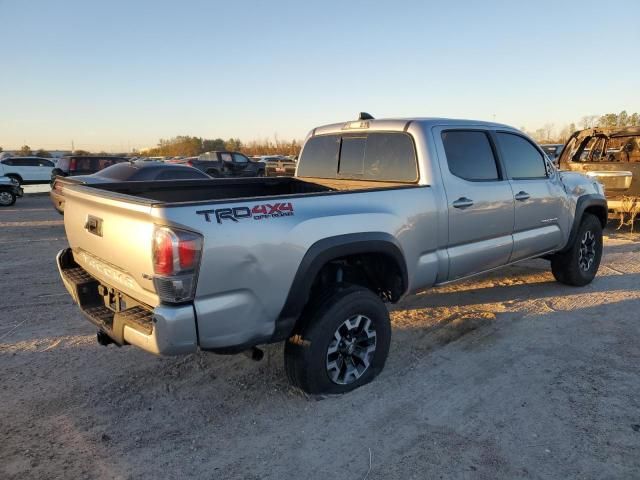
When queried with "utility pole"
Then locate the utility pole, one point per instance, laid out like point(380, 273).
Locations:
point(73, 148)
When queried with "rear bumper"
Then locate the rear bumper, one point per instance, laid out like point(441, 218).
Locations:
point(164, 330)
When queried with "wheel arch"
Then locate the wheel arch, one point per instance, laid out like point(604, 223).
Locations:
point(593, 204)
point(17, 176)
point(369, 245)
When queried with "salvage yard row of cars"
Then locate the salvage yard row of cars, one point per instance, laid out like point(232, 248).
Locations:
point(18, 171)
point(377, 209)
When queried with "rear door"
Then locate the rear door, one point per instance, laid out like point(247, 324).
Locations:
point(479, 198)
point(540, 211)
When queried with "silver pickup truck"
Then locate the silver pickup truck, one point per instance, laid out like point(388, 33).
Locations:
point(377, 209)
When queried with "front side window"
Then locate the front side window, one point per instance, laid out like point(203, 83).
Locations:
point(238, 158)
point(469, 155)
point(225, 157)
point(522, 160)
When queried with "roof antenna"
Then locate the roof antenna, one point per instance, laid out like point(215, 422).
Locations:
point(365, 116)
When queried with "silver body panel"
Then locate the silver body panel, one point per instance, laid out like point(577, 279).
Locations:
point(248, 267)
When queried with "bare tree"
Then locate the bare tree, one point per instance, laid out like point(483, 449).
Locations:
point(589, 121)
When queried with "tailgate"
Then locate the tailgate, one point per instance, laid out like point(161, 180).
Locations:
point(111, 238)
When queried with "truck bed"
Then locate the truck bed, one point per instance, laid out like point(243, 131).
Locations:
point(194, 191)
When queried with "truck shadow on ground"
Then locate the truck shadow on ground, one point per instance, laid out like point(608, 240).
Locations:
point(538, 289)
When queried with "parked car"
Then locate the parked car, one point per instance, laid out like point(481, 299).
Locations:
point(27, 170)
point(553, 151)
point(139, 171)
point(222, 164)
point(609, 155)
point(83, 165)
point(9, 190)
point(280, 167)
point(378, 209)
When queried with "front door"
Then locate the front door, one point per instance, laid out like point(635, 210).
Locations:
point(540, 210)
point(479, 201)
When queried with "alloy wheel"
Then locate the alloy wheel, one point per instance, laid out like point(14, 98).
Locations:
point(351, 350)
point(587, 252)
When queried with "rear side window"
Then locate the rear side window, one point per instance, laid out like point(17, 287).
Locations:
point(469, 155)
point(521, 158)
point(377, 156)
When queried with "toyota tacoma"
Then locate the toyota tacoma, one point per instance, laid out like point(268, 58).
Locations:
point(377, 209)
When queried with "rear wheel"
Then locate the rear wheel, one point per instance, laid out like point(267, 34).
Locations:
point(7, 199)
point(343, 342)
point(579, 264)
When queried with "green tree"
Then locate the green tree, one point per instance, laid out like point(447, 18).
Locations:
point(81, 152)
point(209, 145)
point(634, 120)
point(24, 151)
point(608, 120)
point(42, 153)
point(233, 144)
point(623, 119)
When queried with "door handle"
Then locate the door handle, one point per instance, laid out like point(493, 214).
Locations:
point(522, 196)
point(462, 202)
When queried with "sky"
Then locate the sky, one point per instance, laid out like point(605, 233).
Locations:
point(115, 75)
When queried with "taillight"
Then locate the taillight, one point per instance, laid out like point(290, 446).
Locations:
point(176, 257)
point(73, 163)
point(163, 252)
point(189, 163)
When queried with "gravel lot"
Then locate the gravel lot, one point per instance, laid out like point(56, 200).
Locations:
point(508, 376)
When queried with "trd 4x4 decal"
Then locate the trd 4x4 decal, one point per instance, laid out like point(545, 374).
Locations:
point(258, 212)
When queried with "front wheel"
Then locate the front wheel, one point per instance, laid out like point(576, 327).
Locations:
point(16, 178)
point(579, 264)
point(7, 199)
point(343, 342)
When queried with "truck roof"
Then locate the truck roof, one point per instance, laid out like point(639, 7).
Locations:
point(399, 124)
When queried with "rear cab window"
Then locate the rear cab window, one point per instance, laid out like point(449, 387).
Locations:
point(373, 156)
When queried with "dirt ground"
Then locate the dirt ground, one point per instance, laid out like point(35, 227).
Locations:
point(508, 376)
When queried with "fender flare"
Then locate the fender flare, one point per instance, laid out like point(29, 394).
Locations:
point(324, 251)
point(583, 203)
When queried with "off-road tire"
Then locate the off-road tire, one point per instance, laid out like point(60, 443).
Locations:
point(566, 266)
point(306, 351)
